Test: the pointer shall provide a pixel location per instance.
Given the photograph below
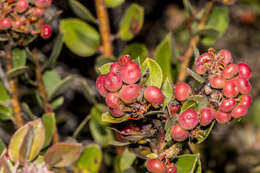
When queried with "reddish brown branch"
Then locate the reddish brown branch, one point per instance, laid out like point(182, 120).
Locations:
point(104, 27)
point(193, 42)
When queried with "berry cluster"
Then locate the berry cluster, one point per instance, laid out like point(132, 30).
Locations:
point(124, 92)
point(157, 166)
point(22, 18)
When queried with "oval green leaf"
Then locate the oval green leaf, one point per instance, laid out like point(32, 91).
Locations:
point(126, 160)
point(104, 69)
point(18, 57)
point(57, 47)
point(136, 50)
point(187, 163)
point(167, 92)
point(17, 71)
point(113, 3)
point(49, 124)
point(107, 117)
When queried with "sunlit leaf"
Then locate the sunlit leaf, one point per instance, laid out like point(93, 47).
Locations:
point(107, 117)
point(189, 104)
point(104, 69)
point(167, 92)
point(187, 163)
point(49, 124)
point(113, 3)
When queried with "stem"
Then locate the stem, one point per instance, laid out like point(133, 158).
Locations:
point(13, 88)
point(43, 93)
point(80, 127)
point(193, 42)
point(104, 27)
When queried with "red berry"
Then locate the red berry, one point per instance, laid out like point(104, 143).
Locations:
point(173, 109)
point(117, 112)
point(42, 3)
point(46, 31)
point(243, 85)
point(124, 59)
point(203, 59)
point(112, 82)
point(239, 111)
point(38, 11)
point(206, 116)
point(21, 6)
point(112, 100)
point(129, 93)
point(130, 72)
point(227, 105)
point(100, 85)
point(230, 89)
point(217, 82)
point(178, 133)
point(5, 23)
point(183, 91)
point(230, 71)
point(153, 95)
point(226, 57)
point(17, 24)
point(156, 166)
point(244, 70)
point(200, 69)
point(115, 67)
point(171, 169)
point(245, 100)
point(128, 129)
point(222, 117)
point(188, 119)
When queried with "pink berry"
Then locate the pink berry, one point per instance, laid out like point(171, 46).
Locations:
point(38, 12)
point(230, 89)
point(244, 70)
point(217, 82)
point(173, 109)
point(156, 166)
point(46, 31)
point(171, 169)
point(21, 6)
point(117, 112)
point(245, 100)
point(206, 116)
point(178, 133)
point(5, 23)
point(42, 3)
point(128, 129)
point(226, 57)
point(188, 119)
point(17, 24)
point(130, 72)
point(227, 105)
point(222, 117)
point(203, 59)
point(230, 71)
point(239, 111)
point(129, 93)
point(112, 100)
point(115, 67)
point(124, 59)
point(153, 95)
point(112, 82)
point(100, 85)
point(182, 91)
point(200, 69)
point(243, 85)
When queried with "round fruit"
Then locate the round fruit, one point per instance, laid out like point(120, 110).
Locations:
point(124, 59)
point(128, 129)
point(156, 166)
point(117, 112)
point(21, 6)
point(112, 100)
point(188, 119)
point(42, 3)
point(46, 31)
point(243, 85)
point(130, 72)
point(171, 169)
point(112, 82)
point(244, 70)
point(153, 95)
point(182, 91)
point(230, 89)
point(230, 71)
point(5, 23)
point(129, 93)
point(227, 105)
point(38, 11)
point(178, 133)
point(226, 57)
point(99, 84)
point(206, 116)
point(203, 59)
point(200, 69)
point(115, 67)
point(222, 117)
point(239, 111)
point(217, 82)
point(173, 109)
point(245, 100)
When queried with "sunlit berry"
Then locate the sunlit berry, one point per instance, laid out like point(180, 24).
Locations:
point(245, 100)
point(173, 109)
point(21, 6)
point(171, 169)
point(124, 59)
point(230, 71)
point(203, 59)
point(200, 69)
point(244, 70)
point(217, 82)
point(5, 23)
point(182, 91)
point(239, 111)
point(115, 67)
point(226, 57)
point(156, 166)
point(42, 3)
point(206, 116)
point(230, 89)
point(129, 93)
point(46, 31)
point(112, 100)
point(188, 119)
point(117, 112)
point(243, 85)
point(228, 104)
point(100, 85)
point(153, 95)
point(178, 133)
point(222, 117)
point(112, 82)
point(130, 72)
point(38, 12)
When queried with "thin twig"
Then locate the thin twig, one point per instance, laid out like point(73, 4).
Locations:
point(193, 42)
point(104, 27)
point(80, 127)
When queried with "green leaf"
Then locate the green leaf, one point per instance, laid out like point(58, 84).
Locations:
point(163, 55)
point(81, 38)
point(2, 146)
point(119, 144)
point(201, 101)
point(62, 154)
point(57, 102)
point(219, 21)
point(189, 104)
point(49, 124)
point(6, 112)
point(208, 32)
point(90, 159)
point(107, 117)
point(195, 75)
point(167, 92)
point(104, 69)
point(113, 3)
point(87, 91)
point(188, 6)
point(4, 96)
point(81, 11)
point(204, 133)
point(57, 47)
point(155, 76)
point(187, 163)
point(17, 71)
point(136, 50)
point(18, 138)
point(131, 22)
point(26, 145)
point(51, 79)
point(126, 160)
point(18, 57)
point(196, 53)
